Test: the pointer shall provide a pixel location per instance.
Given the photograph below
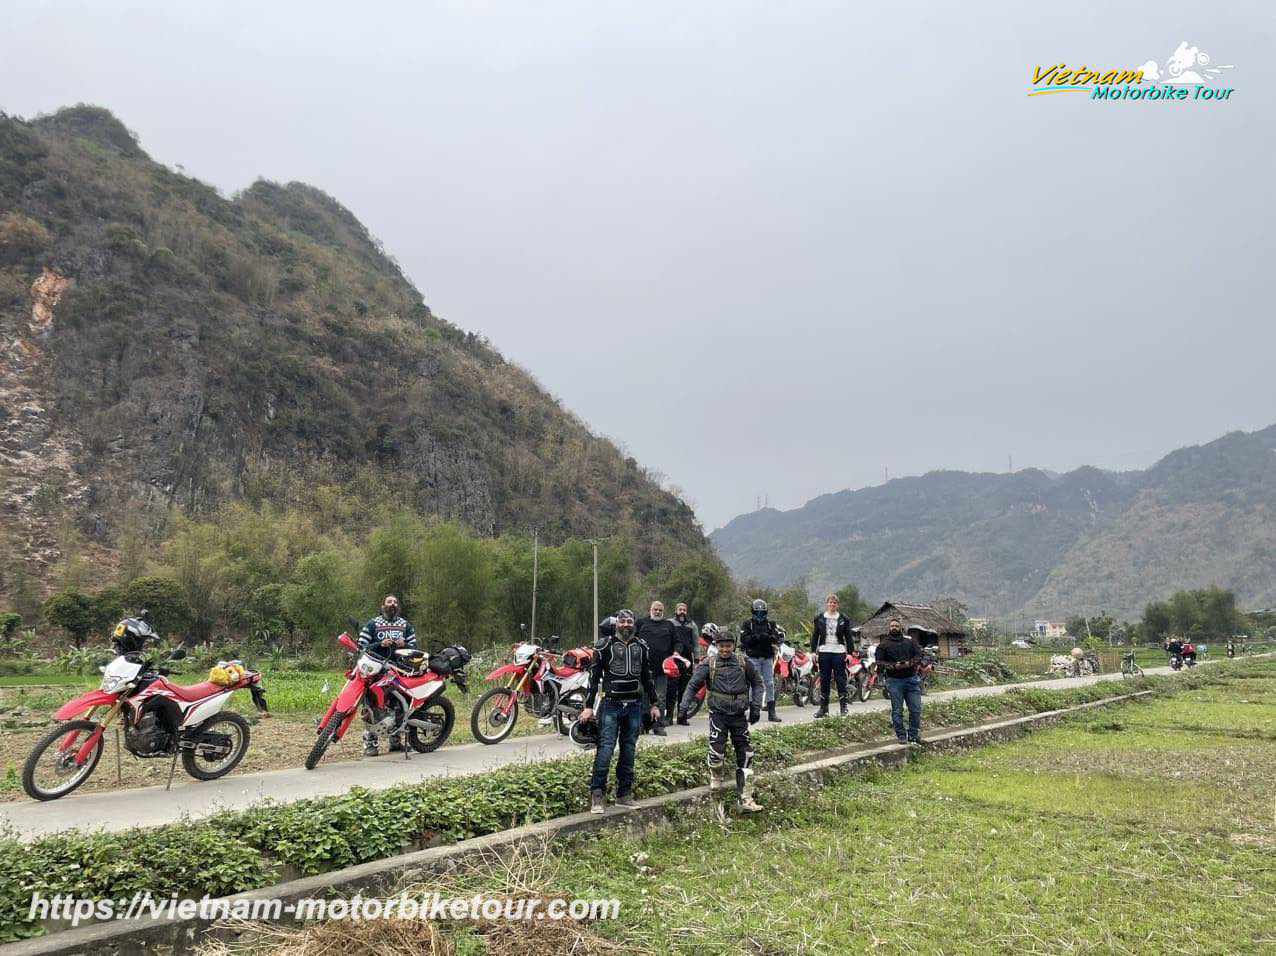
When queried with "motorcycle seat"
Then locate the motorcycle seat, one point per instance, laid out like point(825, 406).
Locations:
point(193, 692)
point(565, 671)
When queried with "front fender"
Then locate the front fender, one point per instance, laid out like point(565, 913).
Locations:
point(85, 703)
point(506, 669)
point(350, 695)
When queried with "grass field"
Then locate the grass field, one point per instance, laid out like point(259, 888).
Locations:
point(1148, 828)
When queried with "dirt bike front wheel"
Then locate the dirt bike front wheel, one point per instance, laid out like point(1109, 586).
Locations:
point(50, 771)
point(494, 716)
point(321, 744)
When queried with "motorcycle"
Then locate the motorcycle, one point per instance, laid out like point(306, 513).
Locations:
point(795, 674)
point(158, 717)
point(402, 694)
point(526, 680)
point(569, 683)
point(861, 672)
point(926, 670)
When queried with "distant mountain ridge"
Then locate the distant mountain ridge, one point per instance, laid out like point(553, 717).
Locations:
point(1030, 542)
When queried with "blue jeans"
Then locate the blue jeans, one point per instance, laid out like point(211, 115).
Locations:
point(623, 721)
point(765, 666)
point(906, 690)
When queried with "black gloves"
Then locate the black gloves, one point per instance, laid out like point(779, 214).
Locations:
point(755, 714)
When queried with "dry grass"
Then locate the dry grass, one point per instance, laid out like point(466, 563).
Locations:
point(523, 873)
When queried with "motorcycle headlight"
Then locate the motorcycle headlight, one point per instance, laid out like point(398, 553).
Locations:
point(111, 683)
point(368, 667)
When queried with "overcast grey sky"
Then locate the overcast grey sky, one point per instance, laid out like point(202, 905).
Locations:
point(773, 248)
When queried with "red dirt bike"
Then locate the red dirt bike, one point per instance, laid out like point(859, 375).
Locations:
point(538, 678)
point(795, 674)
point(402, 693)
point(159, 719)
point(861, 672)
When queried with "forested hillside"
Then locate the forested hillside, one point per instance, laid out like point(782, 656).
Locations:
point(165, 350)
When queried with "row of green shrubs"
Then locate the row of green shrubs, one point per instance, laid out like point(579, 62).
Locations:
point(254, 848)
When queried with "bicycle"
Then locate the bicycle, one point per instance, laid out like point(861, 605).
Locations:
point(1129, 668)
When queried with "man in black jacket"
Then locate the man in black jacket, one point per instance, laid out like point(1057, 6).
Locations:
point(660, 634)
point(735, 689)
point(898, 655)
point(622, 670)
point(685, 643)
point(758, 639)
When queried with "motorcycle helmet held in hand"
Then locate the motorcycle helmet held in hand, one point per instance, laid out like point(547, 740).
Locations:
point(584, 733)
point(675, 666)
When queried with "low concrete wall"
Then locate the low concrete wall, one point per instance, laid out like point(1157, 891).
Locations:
point(382, 876)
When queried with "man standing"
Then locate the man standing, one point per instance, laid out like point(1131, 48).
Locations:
point(735, 689)
point(659, 634)
point(758, 639)
point(831, 639)
point(897, 657)
point(685, 644)
point(382, 636)
point(622, 669)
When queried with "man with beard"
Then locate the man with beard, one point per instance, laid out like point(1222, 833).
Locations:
point(660, 635)
point(382, 636)
point(622, 670)
point(898, 655)
point(685, 645)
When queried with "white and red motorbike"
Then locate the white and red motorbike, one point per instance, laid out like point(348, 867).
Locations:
point(795, 674)
point(159, 718)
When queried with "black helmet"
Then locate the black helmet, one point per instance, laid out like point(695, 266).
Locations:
point(759, 609)
point(584, 733)
point(132, 633)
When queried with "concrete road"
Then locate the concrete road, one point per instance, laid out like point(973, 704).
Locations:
point(189, 799)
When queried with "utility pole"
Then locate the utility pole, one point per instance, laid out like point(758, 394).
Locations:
point(536, 542)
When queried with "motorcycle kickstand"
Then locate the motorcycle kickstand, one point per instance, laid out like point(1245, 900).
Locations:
point(172, 769)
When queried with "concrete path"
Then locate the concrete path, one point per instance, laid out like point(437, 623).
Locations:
point(188, 799)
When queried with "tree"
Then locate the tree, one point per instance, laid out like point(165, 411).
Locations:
point(1207, 614)
point(392, 559)
point(322, 595)
point(162, 596)
point(702, 581)
point(195, 560)
point(73, 611)
point(454, 592)
point(853, 605)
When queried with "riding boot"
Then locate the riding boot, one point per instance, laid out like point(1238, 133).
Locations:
point(844, 706)
point(370, 744)
point(744, 789)
point(771, 715)
point(717, 781)
point(823, 711)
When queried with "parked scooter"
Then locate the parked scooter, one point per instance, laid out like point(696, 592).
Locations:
point(158, 718)
point(399, 694)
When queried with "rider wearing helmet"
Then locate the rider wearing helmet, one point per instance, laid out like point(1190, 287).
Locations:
point(735, 701)
point(758, 639)
point(622, 670)
point(382, 636)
